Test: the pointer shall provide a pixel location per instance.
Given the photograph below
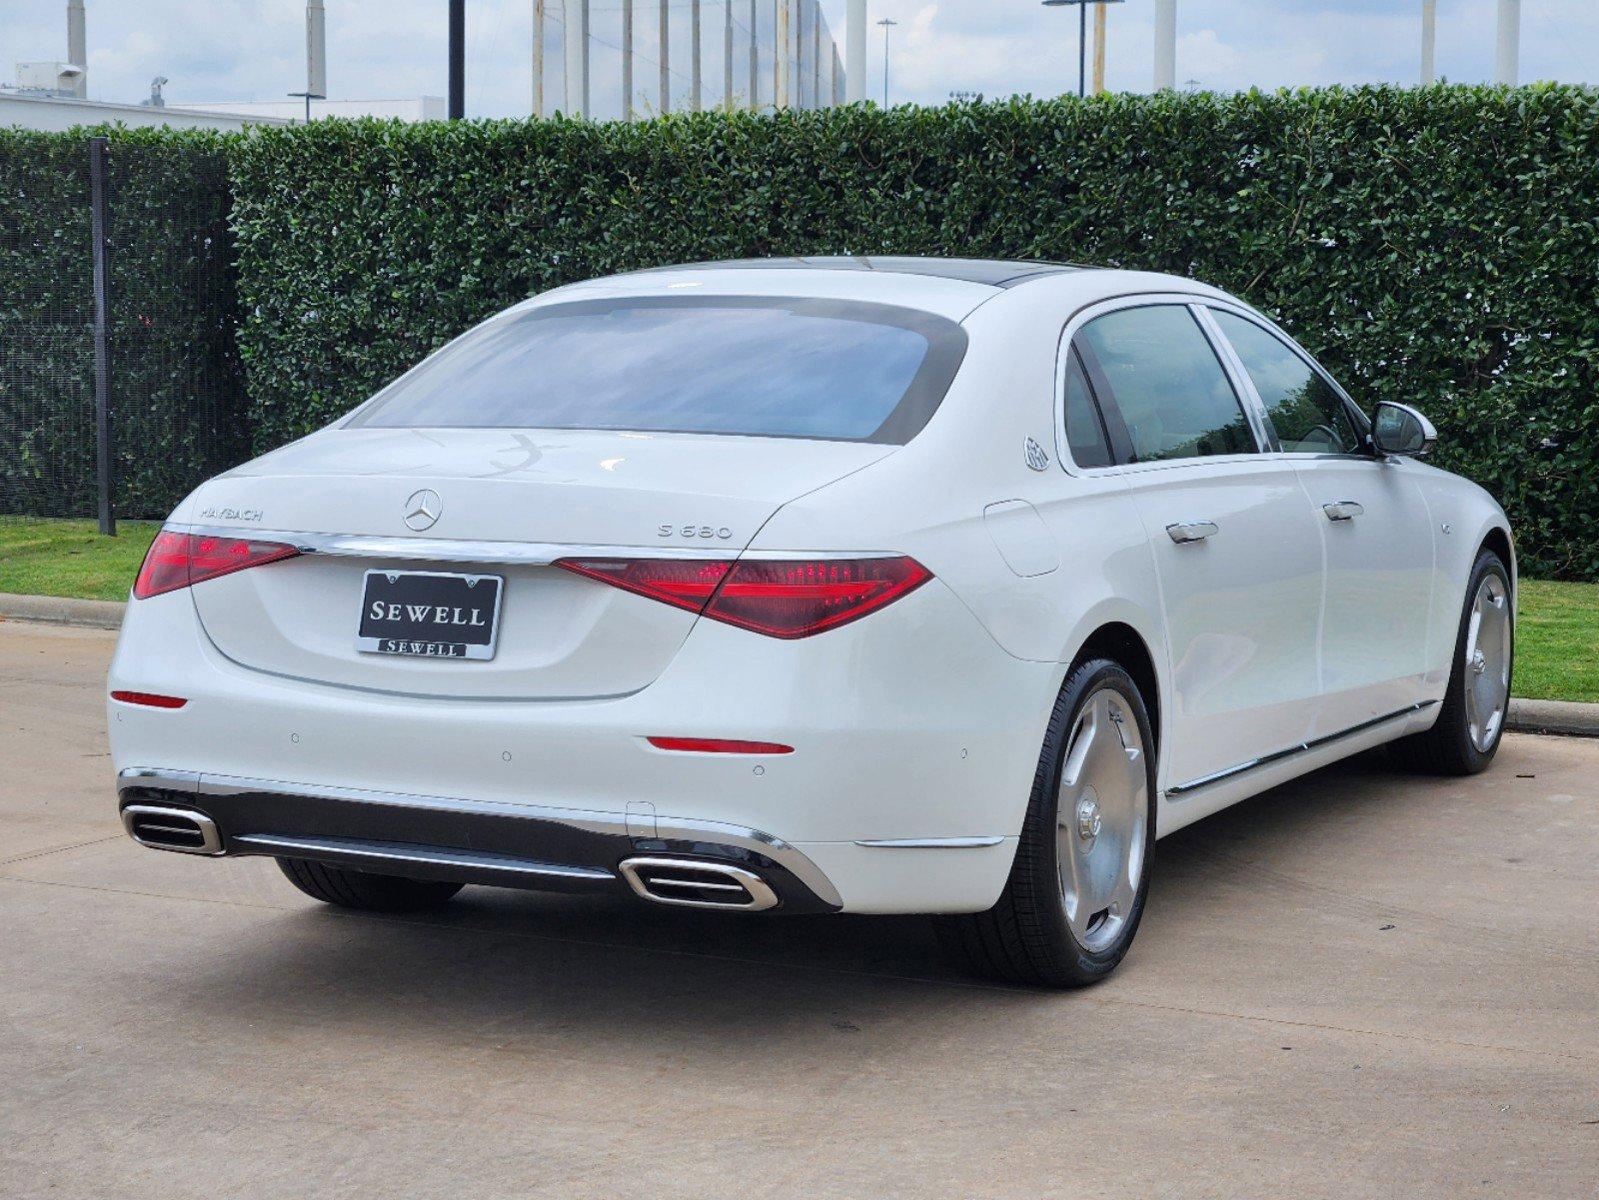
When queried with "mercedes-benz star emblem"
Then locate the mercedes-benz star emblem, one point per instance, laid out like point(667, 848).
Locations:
point(422, 510)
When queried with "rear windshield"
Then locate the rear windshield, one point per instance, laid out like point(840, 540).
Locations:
point(728, 365)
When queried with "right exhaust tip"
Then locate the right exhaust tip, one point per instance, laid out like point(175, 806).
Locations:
point(694, 883)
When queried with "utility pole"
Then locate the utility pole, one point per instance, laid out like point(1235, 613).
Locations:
point(755, 62)
point(816, 57)
point(1099, 48)
point(577, 58)
point(77, 48)
point(695, 101)
point(316, 48)
point(1165, 45)
point(887, 24)
point(666, 59)
point(780, 57)
point(1429, 38)
point(457, 103)
point(727, 56)
point(1507, 46)
point(627, 60)
point(538, 58)
point(855, 51)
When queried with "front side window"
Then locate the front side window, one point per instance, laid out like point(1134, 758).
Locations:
point(1306, 414)
point(754, 366)
point(1165, 381)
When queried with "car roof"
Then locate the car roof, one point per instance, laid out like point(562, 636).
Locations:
point(997, 273)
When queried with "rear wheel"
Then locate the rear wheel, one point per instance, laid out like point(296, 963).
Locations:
point(371, 893)
point(1471, 719)
point(1081, 876)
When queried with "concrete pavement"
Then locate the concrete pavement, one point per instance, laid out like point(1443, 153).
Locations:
point(1361, 984)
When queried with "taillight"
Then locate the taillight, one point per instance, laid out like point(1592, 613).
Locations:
point(782, 598)
point(180, 560)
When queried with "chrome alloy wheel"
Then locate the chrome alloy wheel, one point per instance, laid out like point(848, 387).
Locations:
point(1102, 819)
point(1487, 665)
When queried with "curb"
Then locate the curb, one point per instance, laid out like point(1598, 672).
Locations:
point(1553, 716)
point(1525, 716)
point(86, 614)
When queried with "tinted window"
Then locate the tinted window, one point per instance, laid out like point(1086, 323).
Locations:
point(1084, 432)
point(1167, 383)
point(736, 365)
point(1305, 413)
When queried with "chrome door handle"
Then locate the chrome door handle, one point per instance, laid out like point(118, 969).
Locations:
point(1343, 510)
point(1192, 531)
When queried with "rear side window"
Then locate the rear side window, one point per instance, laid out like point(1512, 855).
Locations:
point(1085, 433)
point(1306, 415)
point(1157, 367)
point(754, 366)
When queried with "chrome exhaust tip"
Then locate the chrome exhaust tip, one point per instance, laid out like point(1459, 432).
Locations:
point(179, 829)
point(692, 883)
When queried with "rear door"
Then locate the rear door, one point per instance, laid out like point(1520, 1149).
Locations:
point(1372, 521)
point(1233, 539)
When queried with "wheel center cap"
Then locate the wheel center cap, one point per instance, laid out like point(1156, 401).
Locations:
point(1088, 819)
point(1479, 663)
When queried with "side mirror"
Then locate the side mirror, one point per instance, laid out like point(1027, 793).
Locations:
point(1400, 429)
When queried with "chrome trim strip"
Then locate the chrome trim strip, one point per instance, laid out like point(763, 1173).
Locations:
point(528, 554)
point(1182, 789)
point(272, 844)
point(948, 843)
point(667, 828)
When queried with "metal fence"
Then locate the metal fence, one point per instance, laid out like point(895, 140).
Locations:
point(120, 386)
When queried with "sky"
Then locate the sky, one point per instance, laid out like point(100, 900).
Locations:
point(214, 50)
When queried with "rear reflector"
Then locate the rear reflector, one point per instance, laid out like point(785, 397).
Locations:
point(718, 746)
point(180, 560)
point(149, 699)
point(781, 598)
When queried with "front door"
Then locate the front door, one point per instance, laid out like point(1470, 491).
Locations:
point(1372, 522)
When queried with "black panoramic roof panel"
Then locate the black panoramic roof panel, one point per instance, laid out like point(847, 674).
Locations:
point(992, 272)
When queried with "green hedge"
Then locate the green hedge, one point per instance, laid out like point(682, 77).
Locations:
point(1435, 246)
point(178, 411)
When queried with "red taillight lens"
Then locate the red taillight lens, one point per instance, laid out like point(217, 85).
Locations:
point(782, 598)
point(180, 560)
point(796, 598)
point(149, 699)
point(694, 745)
point(680, 582)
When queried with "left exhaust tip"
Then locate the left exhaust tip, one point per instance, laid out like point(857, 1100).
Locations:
point(179, 829)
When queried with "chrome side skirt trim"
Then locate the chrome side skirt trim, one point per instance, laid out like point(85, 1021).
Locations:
point(949, 843)
point(369, 852)
point(667, 828)
point(527, 554)
point(1204, 781)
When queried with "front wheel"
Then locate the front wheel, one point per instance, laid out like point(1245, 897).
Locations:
point(1471, 719)
point(1081, 876)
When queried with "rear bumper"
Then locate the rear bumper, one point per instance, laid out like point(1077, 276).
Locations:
point(432, 837)
point(915, 737)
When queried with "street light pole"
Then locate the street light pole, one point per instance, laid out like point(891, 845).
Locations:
point(887, 23)
point(1082, 34)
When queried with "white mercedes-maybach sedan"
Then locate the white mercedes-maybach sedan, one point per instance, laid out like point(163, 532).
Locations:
point(878, 585)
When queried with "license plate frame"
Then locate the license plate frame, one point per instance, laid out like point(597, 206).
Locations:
point(432, 615)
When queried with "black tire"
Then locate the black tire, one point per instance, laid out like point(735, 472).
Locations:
point(1026, 938)
point(369, 893)
point(1447, 748)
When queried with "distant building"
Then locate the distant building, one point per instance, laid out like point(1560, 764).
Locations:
point(47, 110)
point(423, 108)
